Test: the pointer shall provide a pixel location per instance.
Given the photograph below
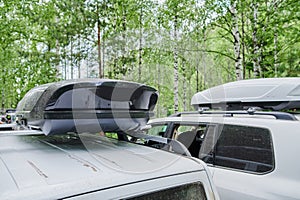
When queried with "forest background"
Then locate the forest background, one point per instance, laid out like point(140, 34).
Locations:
point(177, 46)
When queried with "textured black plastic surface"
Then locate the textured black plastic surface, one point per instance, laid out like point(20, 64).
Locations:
point(87, 105)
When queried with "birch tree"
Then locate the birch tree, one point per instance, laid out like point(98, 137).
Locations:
point(237, 41)
point(256, 57)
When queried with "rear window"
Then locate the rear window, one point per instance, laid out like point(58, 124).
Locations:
point(193, 191)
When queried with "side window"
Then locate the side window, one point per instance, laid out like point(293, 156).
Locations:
point(191, 136)
point(184, 128)
point(207, 153)
point(245, 148)
point(157, 130)
point(193, 191)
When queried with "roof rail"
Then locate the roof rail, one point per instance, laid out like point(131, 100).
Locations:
point(250, 111)
point(20, 133)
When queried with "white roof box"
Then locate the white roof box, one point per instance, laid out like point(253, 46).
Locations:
point(266, 93)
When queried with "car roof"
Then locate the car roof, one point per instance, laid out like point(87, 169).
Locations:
point(66, 165)
point(254, 120)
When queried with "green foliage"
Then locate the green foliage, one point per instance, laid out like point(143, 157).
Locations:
point(44, 41)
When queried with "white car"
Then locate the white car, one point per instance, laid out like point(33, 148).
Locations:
point(56, 156)
point(252, 153)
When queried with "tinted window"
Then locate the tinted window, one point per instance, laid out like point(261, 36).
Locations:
point(191, 136)
point(241, 147)
point(194, 191)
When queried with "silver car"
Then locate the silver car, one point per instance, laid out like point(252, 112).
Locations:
point(248, 134)
point(96, 167)
point(74, 142)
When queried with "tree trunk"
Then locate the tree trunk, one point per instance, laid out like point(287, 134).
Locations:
point(275, 51)
point(103, 42)
point(197, 76)
point(71, 59)
point(203, 55)
point(184, 88)
point(158, 87)
point(243, 43)
point(103, 54)
point(237, 43)
point(275, 45)
point(3, 90)
point(79, 57)
point(65, 64)
point(57, 56)
point(124, 23)
point(99, 48)
point(140, 45)
point(197, 69)
point(57, 52)
point(256, 62)
point(176, 104)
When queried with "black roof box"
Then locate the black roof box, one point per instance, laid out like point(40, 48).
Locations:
point(87, 105)
point(267, 93)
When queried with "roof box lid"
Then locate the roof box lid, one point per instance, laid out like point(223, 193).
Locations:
point(266, 93)
point(86, 105)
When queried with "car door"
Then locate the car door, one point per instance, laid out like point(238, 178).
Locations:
point(239, 157)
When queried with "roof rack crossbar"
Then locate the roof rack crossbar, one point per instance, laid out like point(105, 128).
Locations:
point(20, 133)
point(277, 115)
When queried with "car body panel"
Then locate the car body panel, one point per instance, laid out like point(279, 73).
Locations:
point(280, 183)
point(152, 185)
point(44, 167)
